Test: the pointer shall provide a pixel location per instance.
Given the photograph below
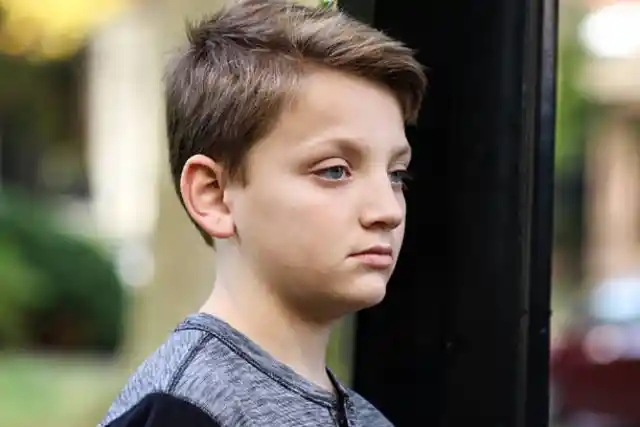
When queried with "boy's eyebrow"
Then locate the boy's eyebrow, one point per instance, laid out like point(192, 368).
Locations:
point(403, 152)
point(352, 146)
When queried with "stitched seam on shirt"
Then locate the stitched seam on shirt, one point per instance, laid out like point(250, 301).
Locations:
point(188, 359)
point(334, 416)
point(237, 350)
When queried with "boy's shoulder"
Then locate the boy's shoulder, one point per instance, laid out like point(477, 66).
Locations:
point(154, 384)
point(208, 375)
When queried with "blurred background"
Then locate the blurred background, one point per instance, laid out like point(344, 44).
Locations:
point(92, 237)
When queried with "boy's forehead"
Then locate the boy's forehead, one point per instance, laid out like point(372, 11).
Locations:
point(342, 111)
point(331, 90)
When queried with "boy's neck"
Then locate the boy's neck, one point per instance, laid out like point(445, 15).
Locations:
point(286, 337)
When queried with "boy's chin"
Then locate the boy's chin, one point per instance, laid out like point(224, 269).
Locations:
point(364, 293)
point(348, 297)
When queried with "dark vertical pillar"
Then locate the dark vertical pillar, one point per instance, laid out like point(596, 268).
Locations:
point(543, 34)
point(462, 337)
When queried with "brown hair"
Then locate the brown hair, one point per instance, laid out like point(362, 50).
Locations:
point(226, 89)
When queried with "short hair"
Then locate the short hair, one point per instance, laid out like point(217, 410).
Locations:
point(227, 88)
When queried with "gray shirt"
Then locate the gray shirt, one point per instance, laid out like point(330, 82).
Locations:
point(209, 374)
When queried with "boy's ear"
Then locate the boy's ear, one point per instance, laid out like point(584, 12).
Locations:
point(202, 186)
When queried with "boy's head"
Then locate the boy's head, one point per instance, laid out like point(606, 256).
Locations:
point(287, 145)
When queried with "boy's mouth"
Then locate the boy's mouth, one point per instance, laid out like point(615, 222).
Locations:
point(377, 257)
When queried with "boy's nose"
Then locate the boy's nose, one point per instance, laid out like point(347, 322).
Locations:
point(382, 208)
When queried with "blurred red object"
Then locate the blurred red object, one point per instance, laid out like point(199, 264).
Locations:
point(595, 365)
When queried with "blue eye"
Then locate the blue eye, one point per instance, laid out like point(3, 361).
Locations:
point(400, 177)
point(334, 173)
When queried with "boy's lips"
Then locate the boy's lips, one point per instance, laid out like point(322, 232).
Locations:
point(377, 257)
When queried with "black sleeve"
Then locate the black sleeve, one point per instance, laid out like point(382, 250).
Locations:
point(164, 410)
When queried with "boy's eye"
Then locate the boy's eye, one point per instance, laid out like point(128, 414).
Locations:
point(333, 173)
point(399, 177)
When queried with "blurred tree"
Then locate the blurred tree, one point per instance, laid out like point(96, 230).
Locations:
point(573, 105)
point(56, 290)
point(573, 112)
point(19, 285)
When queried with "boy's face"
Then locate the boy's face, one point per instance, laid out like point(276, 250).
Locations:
point(321, 218)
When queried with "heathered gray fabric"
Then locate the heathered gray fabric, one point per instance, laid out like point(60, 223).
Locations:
point(208, 363)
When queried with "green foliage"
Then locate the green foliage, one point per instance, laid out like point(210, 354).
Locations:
point(55, 290)
point(573, 108)
point(574, 112)
point(18, 290)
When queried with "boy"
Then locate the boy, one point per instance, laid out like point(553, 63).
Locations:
point(287, 144)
